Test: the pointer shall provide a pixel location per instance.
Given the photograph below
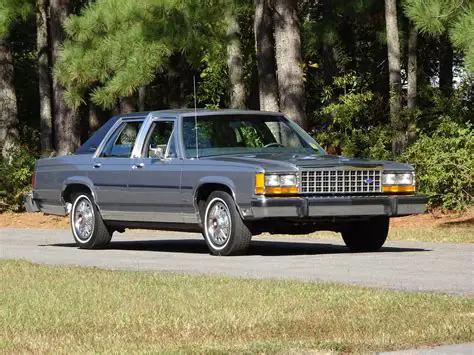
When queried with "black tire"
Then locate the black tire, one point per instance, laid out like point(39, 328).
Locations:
point(221, 220)
point(366, 236)
point(88, 228)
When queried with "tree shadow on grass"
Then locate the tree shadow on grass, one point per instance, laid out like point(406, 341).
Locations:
point(463, 223)
point(257, 247)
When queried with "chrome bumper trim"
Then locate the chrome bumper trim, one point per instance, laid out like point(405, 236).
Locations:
point(340, 206)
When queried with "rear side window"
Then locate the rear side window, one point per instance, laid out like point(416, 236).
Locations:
point(121, 142)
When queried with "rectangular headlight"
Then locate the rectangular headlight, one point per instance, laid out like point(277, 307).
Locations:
point(272, 180)
point(398, 179)
point(403, 182)
point(276, 184)
point(288, 180)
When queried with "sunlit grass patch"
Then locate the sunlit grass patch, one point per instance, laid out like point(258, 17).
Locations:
point(70, 309)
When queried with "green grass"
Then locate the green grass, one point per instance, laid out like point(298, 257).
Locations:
point(46, 309)
point(439, 234)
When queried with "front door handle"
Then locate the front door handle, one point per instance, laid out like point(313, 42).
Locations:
point(97, 165)
point(138, 166)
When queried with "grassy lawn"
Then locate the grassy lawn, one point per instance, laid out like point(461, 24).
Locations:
point(436, 234)
point(70, 310)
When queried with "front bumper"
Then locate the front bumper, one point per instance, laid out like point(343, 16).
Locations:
point(339, 206)
point(29, 203)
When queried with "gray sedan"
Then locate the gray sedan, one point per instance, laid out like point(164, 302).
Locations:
point(229, 174)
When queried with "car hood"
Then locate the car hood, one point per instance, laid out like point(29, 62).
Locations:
point(290, 161)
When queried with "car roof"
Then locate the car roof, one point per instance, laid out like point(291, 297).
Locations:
point(199, 112)
point(94, 141)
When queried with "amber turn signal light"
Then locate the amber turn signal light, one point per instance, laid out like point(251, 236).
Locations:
point(399, 189)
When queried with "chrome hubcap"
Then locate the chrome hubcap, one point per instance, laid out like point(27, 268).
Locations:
point(218, 224)
point(83, 219)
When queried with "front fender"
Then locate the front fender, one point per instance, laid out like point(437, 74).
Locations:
point(221, 180)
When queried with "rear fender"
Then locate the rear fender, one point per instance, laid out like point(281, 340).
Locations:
point(79, 180)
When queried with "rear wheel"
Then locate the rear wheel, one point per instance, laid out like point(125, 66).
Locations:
point(87, 226)
point(366, 236)
point(224, 230)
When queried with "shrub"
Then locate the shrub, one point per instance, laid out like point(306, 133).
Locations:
point(445, 165)
point(15, 178)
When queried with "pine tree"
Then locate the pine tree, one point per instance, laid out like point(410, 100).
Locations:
point(114, 47)
point(265, 47)
point(44, 76)
point(289, 62)
point(11, 11)
point(235, 61)
point(450, 20)
point(394, 67)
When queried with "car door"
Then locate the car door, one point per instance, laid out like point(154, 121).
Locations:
point(155, 176)
point(111, 170)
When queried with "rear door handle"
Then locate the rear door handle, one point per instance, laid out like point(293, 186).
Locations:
point(138, 166)
point(97, 165)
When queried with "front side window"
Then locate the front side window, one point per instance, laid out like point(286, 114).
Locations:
point(160, 142)
point(121, 142)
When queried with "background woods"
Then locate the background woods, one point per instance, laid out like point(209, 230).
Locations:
point(386, 79)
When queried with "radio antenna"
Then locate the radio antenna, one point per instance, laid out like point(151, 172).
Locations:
point(195, 118)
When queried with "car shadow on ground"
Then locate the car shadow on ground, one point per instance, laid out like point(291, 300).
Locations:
point(257, 247)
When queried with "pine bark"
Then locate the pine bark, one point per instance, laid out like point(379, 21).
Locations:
point(288, 60)
point(66, 121)
point(141, 98)
point(446, 58)
point(9, 135)
point(127, 104)
point(265, 46)
point(44, 77)
point(393, 45)
point(412, 67)
point(235, 63)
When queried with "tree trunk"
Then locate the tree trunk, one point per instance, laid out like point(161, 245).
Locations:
point(412, 67)
point(446, 58)
point(44, 82)
point(66, 122)
point(235, 63)
point(265, 46)
point(127, 104)
point(141, 98)
point(8, 104)
point(328, 56)
point(393, 45)
point(288, 60)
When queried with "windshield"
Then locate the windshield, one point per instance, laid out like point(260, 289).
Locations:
point(241, 134)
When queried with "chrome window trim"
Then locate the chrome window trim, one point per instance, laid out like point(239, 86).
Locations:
point(137, 152)
point(112, 130)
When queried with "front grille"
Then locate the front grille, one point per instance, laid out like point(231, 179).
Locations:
point(341, 181)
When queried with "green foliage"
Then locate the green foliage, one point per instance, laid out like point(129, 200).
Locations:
point(349, 123)
point(436, 17)
point(445, 165)
point(15, 177)
point(433, 16)
point(214, 84)
point(12, 11)
point(116, 46)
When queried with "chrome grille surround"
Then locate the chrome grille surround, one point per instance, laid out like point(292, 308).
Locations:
point(353, 180)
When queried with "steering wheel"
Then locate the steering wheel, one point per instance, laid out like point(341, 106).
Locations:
point(274, 144)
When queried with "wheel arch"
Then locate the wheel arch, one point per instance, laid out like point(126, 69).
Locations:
point(208, 185)
point(77, 183)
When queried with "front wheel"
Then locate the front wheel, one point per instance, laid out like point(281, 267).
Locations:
point(87, 226)
point(224, 230)
point(366, 236)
